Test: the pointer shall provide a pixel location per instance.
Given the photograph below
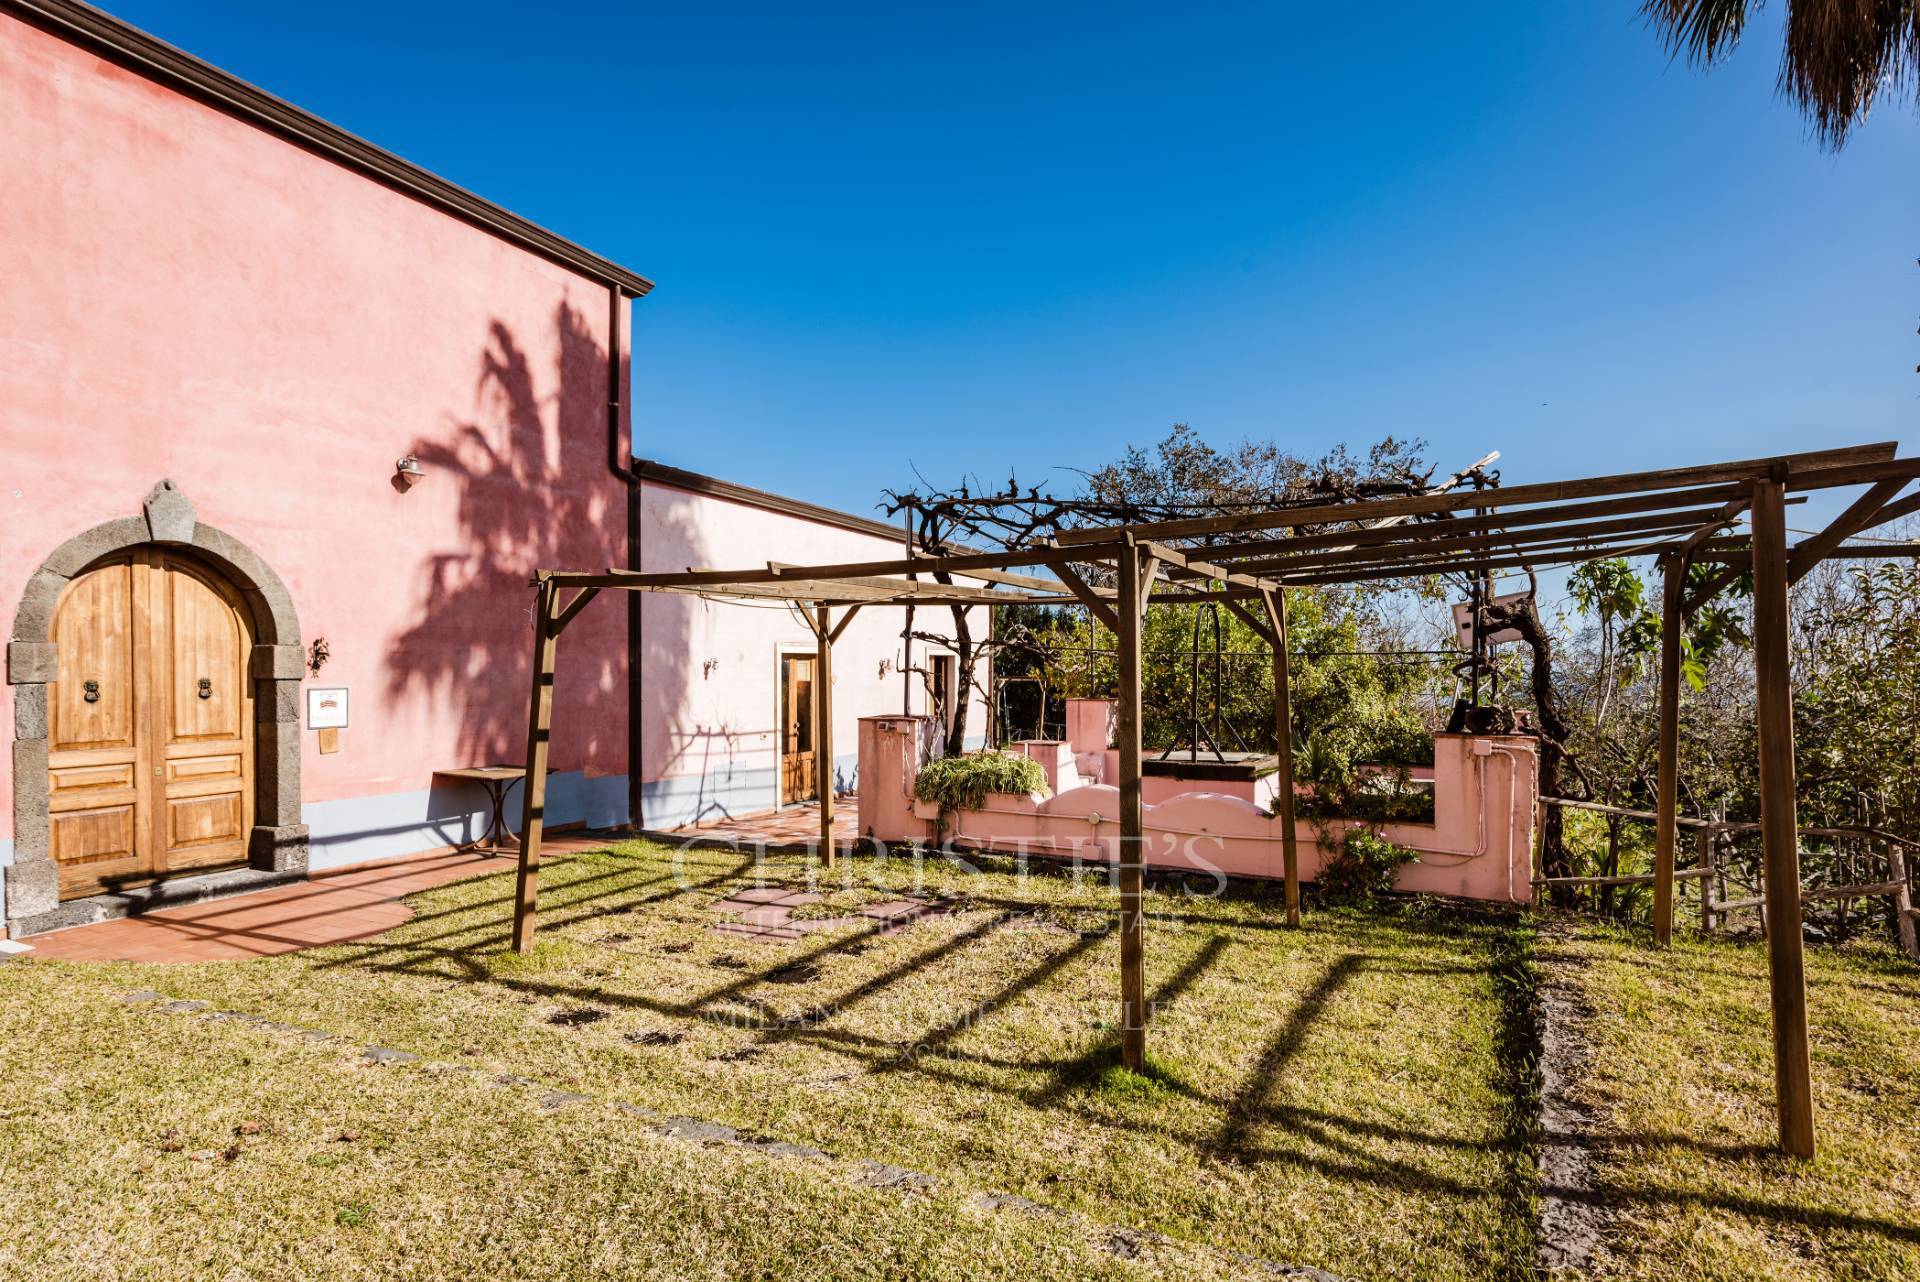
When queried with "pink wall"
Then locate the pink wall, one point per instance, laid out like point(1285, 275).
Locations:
point(183, 295)
point(711, 676)
point(1480, 845)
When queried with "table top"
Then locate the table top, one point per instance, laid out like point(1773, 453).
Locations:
point(488, 774)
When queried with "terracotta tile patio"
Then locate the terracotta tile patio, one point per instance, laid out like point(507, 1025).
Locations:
point(794, 826)
point(328, 908)
point(362, 902)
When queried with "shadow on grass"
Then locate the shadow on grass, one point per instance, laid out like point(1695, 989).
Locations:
point(1087, 1086)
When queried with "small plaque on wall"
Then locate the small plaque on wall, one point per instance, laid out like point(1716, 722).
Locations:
point(327, 708)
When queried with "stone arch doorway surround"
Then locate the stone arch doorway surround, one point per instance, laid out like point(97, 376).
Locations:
point(277, 843)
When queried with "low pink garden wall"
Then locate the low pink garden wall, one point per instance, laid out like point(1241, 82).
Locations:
point(1478, 847)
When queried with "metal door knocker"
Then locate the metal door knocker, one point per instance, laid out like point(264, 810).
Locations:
point(92, 689)
point(206, 688)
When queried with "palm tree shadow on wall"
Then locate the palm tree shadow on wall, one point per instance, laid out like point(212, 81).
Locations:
point(534, 491)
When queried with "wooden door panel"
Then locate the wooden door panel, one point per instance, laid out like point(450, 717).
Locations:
point(206, 663)
point(92, 837)
point(95, 752)
point(92, 704)
point(204, 771)
point(84, 784)
point(202, 647)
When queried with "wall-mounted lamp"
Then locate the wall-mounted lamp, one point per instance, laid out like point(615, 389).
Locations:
point(408, 470)
point(706, 669)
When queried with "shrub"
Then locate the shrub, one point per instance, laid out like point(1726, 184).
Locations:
point(961, 783)
point(1363, 868)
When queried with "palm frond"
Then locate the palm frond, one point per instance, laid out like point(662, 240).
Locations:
point(1843, 55)
point(1703, 30)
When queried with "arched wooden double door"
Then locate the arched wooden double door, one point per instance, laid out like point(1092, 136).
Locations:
point(150, 724)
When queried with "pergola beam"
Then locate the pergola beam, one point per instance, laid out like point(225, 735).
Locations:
point(1517, 541)
point(1450, 525)
point(1814, 470)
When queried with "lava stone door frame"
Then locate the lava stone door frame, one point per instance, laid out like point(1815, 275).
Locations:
point(278, 840)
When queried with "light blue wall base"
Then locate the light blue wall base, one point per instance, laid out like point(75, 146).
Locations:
point(360, 829)
point(387, 825)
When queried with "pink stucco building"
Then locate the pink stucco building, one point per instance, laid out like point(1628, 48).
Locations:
point(285, 415)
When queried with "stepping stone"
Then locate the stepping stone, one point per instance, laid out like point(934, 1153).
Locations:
point(896, 908)
point(1013, 1202)
point(883, 1175)
point(560, 1099)
point(512, 1079)
point(141, 995)
point(767, 915)
point(233, 1017)
point(782, 1148)
point(635, 1110)
point(811, 925)
point(184, 1007)
point(756, 932)
point(696, 1131)
point(387, 1055)
point(757, 895)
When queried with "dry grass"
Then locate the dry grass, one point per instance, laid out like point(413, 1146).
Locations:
point(1680, 1074)
point(1350, 1095)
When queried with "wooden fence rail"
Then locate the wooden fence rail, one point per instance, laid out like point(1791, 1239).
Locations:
point(1713, 911)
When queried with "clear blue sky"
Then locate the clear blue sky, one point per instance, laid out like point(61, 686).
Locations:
point(1028, 235)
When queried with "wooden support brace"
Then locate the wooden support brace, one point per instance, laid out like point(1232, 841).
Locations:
point(573, 607)
point(1100, 607)
point(1253, 621)
point(841, 626)
point(1863, 512)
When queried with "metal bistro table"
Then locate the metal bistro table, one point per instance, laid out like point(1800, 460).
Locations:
point(497, 780)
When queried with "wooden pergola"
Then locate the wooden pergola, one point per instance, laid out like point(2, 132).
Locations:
point(1246, 561)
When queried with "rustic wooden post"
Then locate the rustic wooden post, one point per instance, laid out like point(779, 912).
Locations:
point(1666, 827)
point(1902, 900)
point(534, 789)
point(1779, 826)
point(823, 729)
point(1276, 603)
point(1706, 844)
point(1133, 986)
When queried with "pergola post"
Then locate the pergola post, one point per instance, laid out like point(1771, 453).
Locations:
point(823, 728)
point(1674, 571)
point(1276, 604)
point(1133, 988)
point(1779, 827)
point(534, 791)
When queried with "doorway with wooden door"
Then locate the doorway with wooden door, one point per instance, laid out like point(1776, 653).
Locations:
point(797, 779)
point(150, 761)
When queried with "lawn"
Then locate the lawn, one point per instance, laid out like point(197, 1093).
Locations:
point(1679, 1077)
point(1352, 1095)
